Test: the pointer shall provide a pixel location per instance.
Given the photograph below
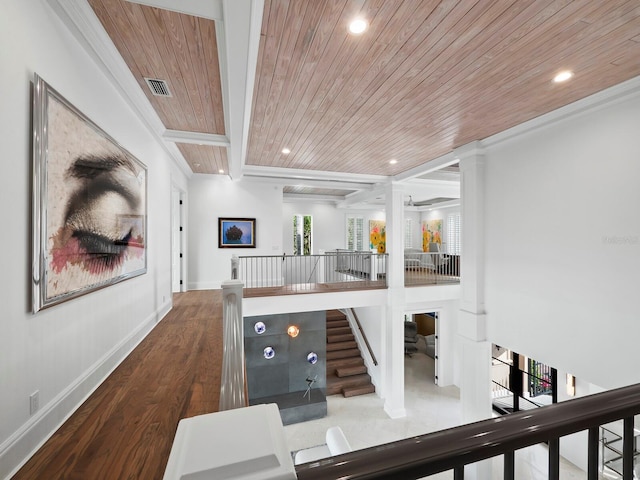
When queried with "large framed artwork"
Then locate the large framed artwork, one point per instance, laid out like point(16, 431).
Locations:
point(236, 232)
point(377, 236)
point(89, 204)
point(431, 233)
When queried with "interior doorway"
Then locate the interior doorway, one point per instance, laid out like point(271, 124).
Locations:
point(178, 280)
point(421, 344)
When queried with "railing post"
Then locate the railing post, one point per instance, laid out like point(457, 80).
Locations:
point(627, 449)
point(232, 390)
point(554, 459)
point(509, 465)
point(458, 473)
point(234, 267)
point(592, 455)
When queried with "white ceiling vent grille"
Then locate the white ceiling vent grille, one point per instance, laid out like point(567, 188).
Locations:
point(158, 87)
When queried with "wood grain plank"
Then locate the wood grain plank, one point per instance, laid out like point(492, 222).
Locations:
point(125, 429)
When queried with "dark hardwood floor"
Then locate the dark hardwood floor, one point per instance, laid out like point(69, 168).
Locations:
point(125, 429)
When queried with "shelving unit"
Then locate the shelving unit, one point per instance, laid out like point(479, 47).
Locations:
point(611, 448)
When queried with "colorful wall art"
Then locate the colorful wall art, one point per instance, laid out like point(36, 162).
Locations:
point(431, 233)
point(89, 204)
point(377, 236)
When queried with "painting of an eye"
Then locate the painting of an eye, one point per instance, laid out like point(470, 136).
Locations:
point(103, 221)
point(90, 204)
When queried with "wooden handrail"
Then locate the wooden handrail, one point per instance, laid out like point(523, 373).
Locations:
point(428, 454)
point(364, 337)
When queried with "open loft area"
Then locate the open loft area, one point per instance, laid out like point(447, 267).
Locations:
point(474, 159)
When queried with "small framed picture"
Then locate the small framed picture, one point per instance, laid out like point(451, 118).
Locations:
point(236, 232)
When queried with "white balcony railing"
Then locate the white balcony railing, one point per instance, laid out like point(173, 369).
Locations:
point(342, 269)
point(430, 268)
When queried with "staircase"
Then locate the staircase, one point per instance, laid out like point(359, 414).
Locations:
point(346, 371)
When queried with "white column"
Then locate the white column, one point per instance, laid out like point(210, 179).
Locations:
point(232, 382)
point(475, 378)
point(394, 321)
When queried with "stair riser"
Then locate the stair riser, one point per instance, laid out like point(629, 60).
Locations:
point(332, 355)
point(333, 347)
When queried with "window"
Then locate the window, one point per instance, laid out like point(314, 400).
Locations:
point(302, 234)
point(408, 233)
point(355, 233)
point(454, 237)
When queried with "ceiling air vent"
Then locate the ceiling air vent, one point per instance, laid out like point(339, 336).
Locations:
point(158, 87)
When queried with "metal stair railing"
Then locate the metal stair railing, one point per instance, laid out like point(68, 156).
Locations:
point(452, 449)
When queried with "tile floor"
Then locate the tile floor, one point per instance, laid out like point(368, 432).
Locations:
point(429, 408)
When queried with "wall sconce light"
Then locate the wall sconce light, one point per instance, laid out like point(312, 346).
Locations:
point(259, 328)
point(312, 358)
point(293, 331)
point(571, 385)
point(269, 353)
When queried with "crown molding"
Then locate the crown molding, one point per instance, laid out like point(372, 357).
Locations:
point(181, 136)
point(616, 94)
point(211, 9)
point(79, 18)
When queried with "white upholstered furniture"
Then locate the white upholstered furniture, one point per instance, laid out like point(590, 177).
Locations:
point(337, 444)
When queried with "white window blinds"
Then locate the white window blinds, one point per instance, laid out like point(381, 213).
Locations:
point(355, 233)
point(454, 236)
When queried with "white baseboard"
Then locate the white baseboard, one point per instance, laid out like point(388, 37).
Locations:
point(26, 441)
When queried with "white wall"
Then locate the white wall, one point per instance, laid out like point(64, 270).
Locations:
point(64, 351)
point(563, 242)
point(218, 196)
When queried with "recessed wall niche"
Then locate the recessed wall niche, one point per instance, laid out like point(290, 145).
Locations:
point(289, 377)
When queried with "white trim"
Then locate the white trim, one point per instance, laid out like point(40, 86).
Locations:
point(82, 22)
point(300, 174)
point(24, 442)
point(618, 93)
point(211, 9)
point(183, 136)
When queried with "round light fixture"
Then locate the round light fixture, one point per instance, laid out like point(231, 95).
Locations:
point(286, 151)
point(358, 26)
point(221, 171)
point(312, 358)
point(563, 76)
point(269, 353)
point(393, 161)
point(293, 331)
point(260, 328)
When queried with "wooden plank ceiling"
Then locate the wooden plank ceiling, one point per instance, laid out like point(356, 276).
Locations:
point(426, 77)
point(181, 50)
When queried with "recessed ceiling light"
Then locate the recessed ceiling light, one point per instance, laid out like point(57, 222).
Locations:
point(358, 26)
point(393, 161)
point(563, 76)
point(221, 171)
point(196, 164)
point(286, 151)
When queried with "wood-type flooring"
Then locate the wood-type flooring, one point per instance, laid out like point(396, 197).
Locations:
point(125, 429)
